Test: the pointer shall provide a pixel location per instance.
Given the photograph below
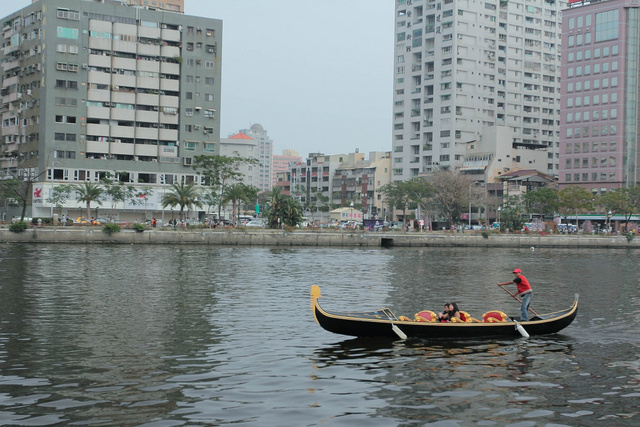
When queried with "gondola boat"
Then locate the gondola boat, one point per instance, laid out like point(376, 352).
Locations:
point(383, 323)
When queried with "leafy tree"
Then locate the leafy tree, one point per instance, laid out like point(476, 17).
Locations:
point(60, 195)
point(16, 192)
point(542, 200)
point(452, 194)
point(622, 201)
point(220, 171)
point(574, 199)
point(182, 195)
point(283, 209)
point(239, 193)
point(419, 192)
point(141, 197)
point(397, 196)
point(512, 216)
point(210, 199)
point(118, 191)
point(89, 193)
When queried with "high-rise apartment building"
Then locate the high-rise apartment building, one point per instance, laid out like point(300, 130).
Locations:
point(91, 88)
point(263, 178)
point(476, 86)
point(599, 141)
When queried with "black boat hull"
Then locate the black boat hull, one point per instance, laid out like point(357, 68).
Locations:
point(379, 324)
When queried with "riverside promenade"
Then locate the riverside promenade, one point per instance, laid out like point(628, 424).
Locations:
point(248, 237)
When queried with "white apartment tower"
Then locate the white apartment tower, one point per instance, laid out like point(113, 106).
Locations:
point(264, 154)
point(476, 86)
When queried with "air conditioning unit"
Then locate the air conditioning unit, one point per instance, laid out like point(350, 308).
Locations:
point(85, 66)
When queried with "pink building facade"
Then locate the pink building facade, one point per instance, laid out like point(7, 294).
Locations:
point(599, 95)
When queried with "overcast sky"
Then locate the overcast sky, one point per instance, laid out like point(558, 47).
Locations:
point(317, 75)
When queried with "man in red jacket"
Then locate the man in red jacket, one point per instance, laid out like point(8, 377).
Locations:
point(524, 291)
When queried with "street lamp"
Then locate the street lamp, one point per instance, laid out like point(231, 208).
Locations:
point(351, 212)
point(469, 217)
point(499, 209)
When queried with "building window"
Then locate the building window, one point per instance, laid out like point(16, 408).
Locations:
point(607, 25)
point(208, 97)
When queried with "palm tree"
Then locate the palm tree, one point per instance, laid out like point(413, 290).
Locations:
point(237, 193)
point(88, 193)
point(283, 209)
point(182, 195)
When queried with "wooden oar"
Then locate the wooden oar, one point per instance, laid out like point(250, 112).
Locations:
point(395, 328)
point(517, 299)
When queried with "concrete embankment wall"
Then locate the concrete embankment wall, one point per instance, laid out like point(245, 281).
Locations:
point(309, 238)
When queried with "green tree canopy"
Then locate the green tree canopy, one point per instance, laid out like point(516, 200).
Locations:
point(574, 200)
point(237, 194)
point(283, 209)
point(183, 195)
point(541, 200)
point(88, 193)
point(220, 171)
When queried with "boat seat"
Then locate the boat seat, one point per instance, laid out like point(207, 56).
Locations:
point(426, 316)
point(494, 316)
point(467, 318)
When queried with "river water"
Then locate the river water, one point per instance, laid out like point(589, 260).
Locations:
point(173, 335)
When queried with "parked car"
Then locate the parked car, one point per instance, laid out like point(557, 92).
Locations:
point(99, 221)
point(255, 224)
point(80, 220)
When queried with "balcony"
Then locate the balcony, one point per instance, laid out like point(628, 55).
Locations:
point(102, 61)
point(121, 114)
point(149, 32)
point(98, 147)
point(148, 82)
point(99, 43)
point(122, 80)
point(170, 85)
point(122, 149)
point(150, 66)
point(98, 113)
point(147, 116)
point(170, 35)
point(148, 49)
point(122, 131)
point(146, 133)
point(170, 51)
point(167, 151)
point(124, 63)
point(97, 130)
point(99, 77)
point(169, 118)
point(146, 150)
point(168, 135)
point(121, 97)
point(169, 101)
point(148, 99)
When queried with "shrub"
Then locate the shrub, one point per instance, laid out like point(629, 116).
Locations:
point(630, 236)
point(111, 228)
point(139, 227)
point(486, 234)
point(18, 227)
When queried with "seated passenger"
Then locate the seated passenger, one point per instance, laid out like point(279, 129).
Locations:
point(450, 311)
